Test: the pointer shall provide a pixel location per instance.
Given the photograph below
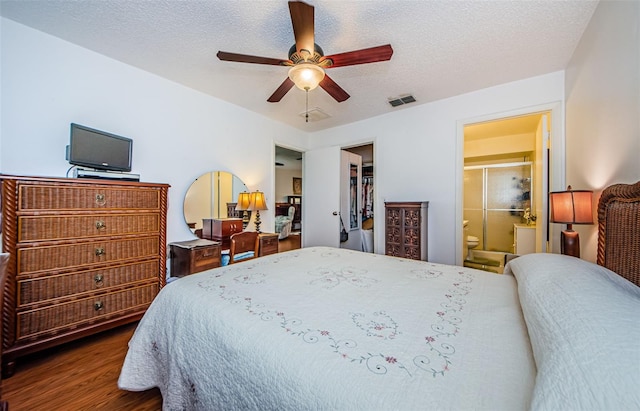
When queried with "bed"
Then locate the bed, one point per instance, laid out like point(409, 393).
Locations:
point(332, 329)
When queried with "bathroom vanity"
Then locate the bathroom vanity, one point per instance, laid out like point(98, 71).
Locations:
point(524, 239)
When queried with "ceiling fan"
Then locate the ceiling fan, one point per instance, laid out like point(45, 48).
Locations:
point(307, 60)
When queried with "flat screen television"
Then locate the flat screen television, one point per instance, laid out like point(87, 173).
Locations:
point(98, 149)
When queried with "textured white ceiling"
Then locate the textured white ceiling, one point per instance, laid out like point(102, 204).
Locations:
point(442, 48)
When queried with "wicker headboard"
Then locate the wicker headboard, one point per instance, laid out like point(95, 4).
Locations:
point(619, 230)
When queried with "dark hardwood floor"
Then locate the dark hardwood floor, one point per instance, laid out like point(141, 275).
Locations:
point(83, 375)
point(292, 242)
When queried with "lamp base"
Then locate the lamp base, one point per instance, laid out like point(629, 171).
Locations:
point(245, 220)
point(570, 243)
point(257, 222)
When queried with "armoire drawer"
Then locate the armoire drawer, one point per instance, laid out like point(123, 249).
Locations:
point(90, 197)
point(57, 257)
point(206, 257)
point(63, 227)
point(60, 317)
point(43, 288)
point(268, 244)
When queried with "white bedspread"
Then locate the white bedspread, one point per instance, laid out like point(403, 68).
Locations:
point(331, 329)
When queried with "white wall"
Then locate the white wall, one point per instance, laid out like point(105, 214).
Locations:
point(418, 157)
point(178, 133)
point(284, 183)
point(603, 106)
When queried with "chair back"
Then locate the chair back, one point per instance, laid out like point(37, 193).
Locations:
point(292, 212)
point(243, 242)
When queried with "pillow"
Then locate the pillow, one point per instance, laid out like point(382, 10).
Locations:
point(584, 325)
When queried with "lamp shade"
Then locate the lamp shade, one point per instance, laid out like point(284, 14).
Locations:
point(244, 201)
point(306, 76)
point(571, 206)
point(257, 201)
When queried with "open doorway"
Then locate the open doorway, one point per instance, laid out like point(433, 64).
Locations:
point(366, 187)
point(288, 197)
point(505, 189)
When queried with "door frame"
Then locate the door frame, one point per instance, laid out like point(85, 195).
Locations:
point(273, 179)
point(557, 162)
point(347, 160)
point(378, 205)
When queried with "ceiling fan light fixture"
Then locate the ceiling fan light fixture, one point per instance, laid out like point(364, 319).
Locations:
point(306, 76)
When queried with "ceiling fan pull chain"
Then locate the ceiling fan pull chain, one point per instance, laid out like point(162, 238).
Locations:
point(306, 113)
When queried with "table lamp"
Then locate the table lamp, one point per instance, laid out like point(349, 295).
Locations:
point(571, 207)
point(257, 203)
point(243, 204)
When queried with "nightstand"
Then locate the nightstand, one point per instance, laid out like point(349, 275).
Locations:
point(189, 257)
point(268, 244)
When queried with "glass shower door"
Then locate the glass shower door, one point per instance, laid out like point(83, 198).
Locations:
point(508, 194)
point(495, 197)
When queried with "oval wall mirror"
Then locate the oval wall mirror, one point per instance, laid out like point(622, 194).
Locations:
point(212, 195)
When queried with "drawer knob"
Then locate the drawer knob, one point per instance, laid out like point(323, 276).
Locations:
point(99, 251)
point(99, 279)
point(98, 305)
point(100, 199)
point(100, 225)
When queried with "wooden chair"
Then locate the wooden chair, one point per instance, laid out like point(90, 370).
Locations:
point(241, 243)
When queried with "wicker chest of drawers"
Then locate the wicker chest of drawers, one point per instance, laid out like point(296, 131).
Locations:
point(85, 256)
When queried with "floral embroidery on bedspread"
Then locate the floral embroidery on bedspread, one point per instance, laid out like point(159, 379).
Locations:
point(350, 275)
point(436, 356)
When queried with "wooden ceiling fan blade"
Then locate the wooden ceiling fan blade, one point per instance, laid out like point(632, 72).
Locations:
point(302, 18)
point(244, 58)
point(281, 91)
point(334, 89)
point(364, 56)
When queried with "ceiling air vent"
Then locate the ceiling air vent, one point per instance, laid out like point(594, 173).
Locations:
point(315, 114)
point(398, 101)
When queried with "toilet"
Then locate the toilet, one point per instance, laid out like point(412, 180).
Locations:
point(470, 242)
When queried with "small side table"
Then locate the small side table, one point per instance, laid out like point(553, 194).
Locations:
point(189, 257)
point(268, 244)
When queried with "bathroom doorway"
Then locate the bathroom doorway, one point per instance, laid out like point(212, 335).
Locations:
point(505, 182)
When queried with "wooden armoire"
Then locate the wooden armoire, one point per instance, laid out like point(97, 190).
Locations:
point(85, 256)
point(406, 229)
